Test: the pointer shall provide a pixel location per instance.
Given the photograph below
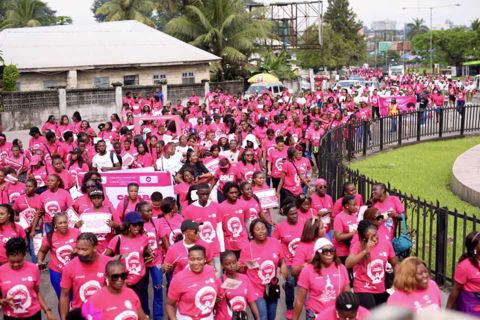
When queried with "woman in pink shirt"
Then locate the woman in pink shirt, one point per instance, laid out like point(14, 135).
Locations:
point(20, 285)
point(389, 205)
point(54, 199)
point(288, 232)
point(38, 171)
point(313, 229)
point(8, 229)
point(144, 158)
point(193, 292)
point(168, 226)
point(369, 258)
point(414, 289)
point(224, 173)
point(233, 219)
point(114, 300)
point(247, 166)
point(134, 251)
point(60, 241)
point(464, 295)
point(260, 260)
point(64, 126)
point(181, 189)
point(129, 202)
point(50, 125)
point(76, 164)
point(347, 306)
point(291, 179)
point(235, 300)
point(322, 202)
point(304, 206)
point(252, 207)
point(4, 188)
point(324, 279)
point(345, 226)
point(276, 158)
point(348, 189)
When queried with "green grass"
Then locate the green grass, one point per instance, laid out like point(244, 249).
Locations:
point(423, 169)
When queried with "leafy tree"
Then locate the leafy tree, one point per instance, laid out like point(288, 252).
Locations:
point(222, 27)
point(450, 47)
point(28, 13)
point(276, 64)
point(62, 20)
point(117, 10)
point(10, 77)
point(95, 6)
point(416, 27)
point(475, 25)
point(342, 19)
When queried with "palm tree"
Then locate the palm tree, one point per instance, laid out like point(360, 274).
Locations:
point(416, 27)
point(276, 64)
point(28, 13)
point(475, 25)
point(222, 27)
point(117, 10)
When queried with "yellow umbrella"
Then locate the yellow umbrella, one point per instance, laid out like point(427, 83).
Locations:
point(263, 77)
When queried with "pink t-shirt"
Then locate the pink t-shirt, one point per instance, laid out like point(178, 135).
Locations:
point(244, 172)
point(343, 223)
point(114, 306)
point(151, 232)
point(21, 285)
point(233, 224)
point(370, 274)
point(331, 314)
point(182, 189)
point(289, 236)
point(131, 250)
point(292, 180)
point(337, 207)
point(6, 232)
point(61, 248)
point(84, 279)
point(267, 255)
point(195, 293)
point(53, 202)
point(390, 203)
point(169, 227)
point(238, 298)
point(419, 301)
point(322, 203)
point(145, 160)
point(251, 210)
point(303, 253)
point(122, 211)
point(177, 254)
point(23, 202)
point(209, 216)
point(277, 159)
point(15, 191)
point(323, 288)
point(224, 177)
point(468, 276)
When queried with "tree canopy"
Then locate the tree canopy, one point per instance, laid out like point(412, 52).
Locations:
point(28, 13)
point(342, 43)
point(416, 27)
point(450, 47)
point(222, 27)
point(117, 10)
point(278, 64)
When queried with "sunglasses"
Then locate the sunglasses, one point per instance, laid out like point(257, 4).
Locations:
point(379, 218)
point(322, 187)
point(327, 251)
point(118, 276)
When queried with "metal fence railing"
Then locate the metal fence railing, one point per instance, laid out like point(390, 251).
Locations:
point(438, 232)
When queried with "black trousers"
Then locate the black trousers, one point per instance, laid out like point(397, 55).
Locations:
point(36, 316)
point(371, 300)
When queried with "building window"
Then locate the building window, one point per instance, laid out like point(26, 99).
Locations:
point(159, 78)
point(101, 82)
point(50, 84)
point(188, 78)
point(18, 86)
point(130, 80)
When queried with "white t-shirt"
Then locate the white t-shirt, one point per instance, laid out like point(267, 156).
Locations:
point(172, 164)
point(100, 161)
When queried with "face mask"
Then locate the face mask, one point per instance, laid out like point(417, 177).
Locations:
point(84, 259)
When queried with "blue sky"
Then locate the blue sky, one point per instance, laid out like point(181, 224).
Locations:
point(367, 10)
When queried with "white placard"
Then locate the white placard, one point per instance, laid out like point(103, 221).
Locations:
point(72, 217)
point(96, 222)
point(26, 217)
point(268, 198)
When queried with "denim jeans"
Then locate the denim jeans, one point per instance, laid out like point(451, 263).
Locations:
point(157, 285)
point(290, 284)
point(55, 278)
point(267, 308)
point(31, 248)
point(394, 124)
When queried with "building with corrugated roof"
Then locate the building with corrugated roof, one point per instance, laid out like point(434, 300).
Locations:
point(98, 55)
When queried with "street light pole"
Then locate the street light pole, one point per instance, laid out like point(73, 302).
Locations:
point(431, 25)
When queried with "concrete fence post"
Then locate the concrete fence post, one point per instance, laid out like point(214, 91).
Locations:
point(118, 98)
point(165, 92)
point(62, 101)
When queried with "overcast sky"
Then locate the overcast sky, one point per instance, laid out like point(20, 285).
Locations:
point(366, 10)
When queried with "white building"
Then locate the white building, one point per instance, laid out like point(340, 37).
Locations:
point(98, 55)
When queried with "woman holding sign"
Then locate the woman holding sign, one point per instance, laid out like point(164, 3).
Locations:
point(60, 241)
point(238, 292)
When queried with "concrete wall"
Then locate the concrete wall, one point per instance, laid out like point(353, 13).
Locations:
point(86, 78)
point(22, 110)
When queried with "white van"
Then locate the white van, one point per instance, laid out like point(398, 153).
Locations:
point(275, 87)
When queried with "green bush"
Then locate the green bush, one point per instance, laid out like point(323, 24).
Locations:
point(10, 77)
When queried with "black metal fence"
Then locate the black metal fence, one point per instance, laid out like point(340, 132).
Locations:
point(438, 232)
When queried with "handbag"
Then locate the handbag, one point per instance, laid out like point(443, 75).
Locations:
point(402, 243)
point(272, 289)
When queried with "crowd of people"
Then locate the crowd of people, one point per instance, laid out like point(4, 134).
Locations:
point(214, 251)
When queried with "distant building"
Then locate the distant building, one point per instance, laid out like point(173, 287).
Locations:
point(98, 55)
point(384, 25)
